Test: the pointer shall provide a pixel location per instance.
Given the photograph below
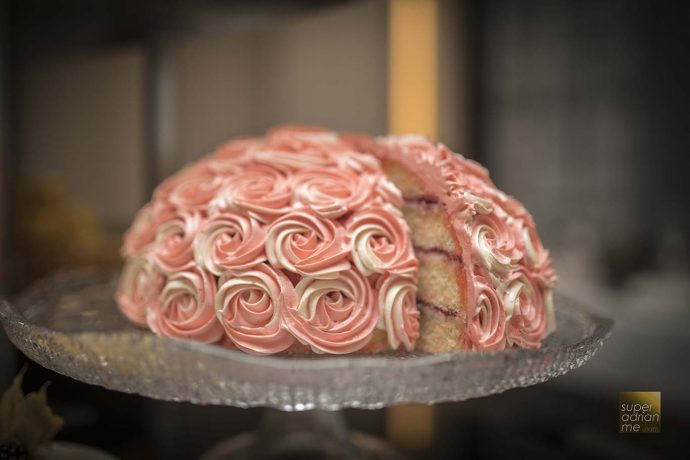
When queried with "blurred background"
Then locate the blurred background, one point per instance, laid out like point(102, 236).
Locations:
point(578, 108)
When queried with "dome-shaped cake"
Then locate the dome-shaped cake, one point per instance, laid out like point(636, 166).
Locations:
point(303, 241)
point(485, 280)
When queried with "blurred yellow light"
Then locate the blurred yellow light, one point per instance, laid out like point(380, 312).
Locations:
point(413, 73)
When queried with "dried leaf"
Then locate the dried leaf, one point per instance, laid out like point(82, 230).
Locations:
point(27, 419)
point(11, 407)
point(39, 424)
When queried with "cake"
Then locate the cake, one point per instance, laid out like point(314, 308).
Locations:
point(307, 241)
point(485, 280)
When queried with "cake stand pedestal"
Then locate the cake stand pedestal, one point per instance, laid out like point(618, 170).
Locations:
point(303, 435)
point(70, 324)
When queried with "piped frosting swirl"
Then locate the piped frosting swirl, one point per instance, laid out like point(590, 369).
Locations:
point(250, 305)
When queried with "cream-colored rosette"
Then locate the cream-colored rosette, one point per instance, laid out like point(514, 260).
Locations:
point(529, 318)
point(185, 307)
point(486, 325)
point(173, 248)
point(250, 306)
point(261, 190)
point(495, 243)
point(334, 315)
point(331, 192)
point(230, 241)
point(306, 244)
point(399, 316)
point(380, 242)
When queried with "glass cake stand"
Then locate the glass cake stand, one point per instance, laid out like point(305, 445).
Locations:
point(70, 324)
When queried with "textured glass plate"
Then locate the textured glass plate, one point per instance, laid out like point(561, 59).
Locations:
point(70, 324)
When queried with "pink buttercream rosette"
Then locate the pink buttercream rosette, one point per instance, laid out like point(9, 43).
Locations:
point(269, 242)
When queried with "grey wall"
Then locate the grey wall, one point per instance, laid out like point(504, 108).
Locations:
point(560, 129)
point(81, 119)
point(233, 82)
